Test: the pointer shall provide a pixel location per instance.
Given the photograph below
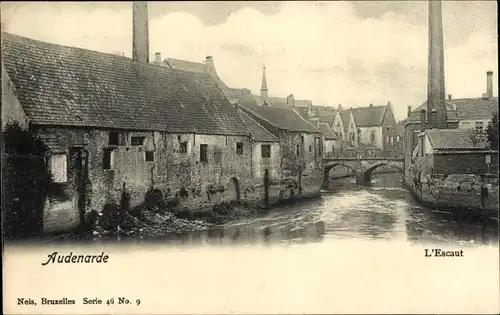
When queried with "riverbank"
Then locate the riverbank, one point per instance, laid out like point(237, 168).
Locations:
point(160, 218)
point(460, 205)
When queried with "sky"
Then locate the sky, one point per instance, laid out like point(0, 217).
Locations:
point(337, 52)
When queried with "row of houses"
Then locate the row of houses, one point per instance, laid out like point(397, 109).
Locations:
point(112, 124)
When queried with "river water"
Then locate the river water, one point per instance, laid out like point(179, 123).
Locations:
point(355, 250)
point(383, 210)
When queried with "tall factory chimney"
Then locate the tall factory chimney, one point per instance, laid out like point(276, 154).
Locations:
point(140, 40)
point(489, 84)
point(436, 96)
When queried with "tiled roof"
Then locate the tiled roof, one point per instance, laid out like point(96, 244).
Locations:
point(456, 139)
point(369, 116)
point(280, 102)
point(465, 108)
point(304, 112)
point(327, 131)
point(325, 113)
point(186, 65)
point(241, 96)
point(259, 133)
point(60, 85)
point(285, 119)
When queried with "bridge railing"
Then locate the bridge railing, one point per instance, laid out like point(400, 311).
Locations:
point(363, 154)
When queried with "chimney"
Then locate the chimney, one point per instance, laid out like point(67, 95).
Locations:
point(158, 57)
point(371, 105)
point(290, 100)
point(209, 61)
point(265, 103)
point(485, 96)
point(489, 84)
point(422, 120)
point(140, 40)
point(449, 97)
point(436, 96)
point(339, 108)
point(409, 111)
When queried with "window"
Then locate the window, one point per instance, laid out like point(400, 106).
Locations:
point(466, 125)
point(150, 156)
point(398, 138)
point(137, 140)
point(479, 126)
point(203, 152)
point(392, 140)
point(298, 150)
point(265, 151)
point(372, 137)
point(302, 139)
point(59, 167)
point(108, 159)
point(333, 149)
point(310, 148)
point(387, 140)
point(183, 147)
point(113, 138)
point(239, 148)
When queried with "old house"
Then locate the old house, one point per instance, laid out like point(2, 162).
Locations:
point(455, 151)
point(294, 128)
point(331, 147)
point(266, 152)
point(465, 113)
point(301, 144)
point(116, 126)
point(377, 127)
point(452, 167)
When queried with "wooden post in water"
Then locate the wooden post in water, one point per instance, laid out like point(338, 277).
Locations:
point(266, 187)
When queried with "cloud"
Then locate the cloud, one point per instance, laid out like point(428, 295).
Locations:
point(319, 51)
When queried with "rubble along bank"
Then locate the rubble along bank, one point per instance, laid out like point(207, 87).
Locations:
point(157, 222)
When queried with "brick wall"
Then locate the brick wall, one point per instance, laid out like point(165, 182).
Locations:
point(464, 163)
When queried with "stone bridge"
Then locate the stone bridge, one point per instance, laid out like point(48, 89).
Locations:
point(362, 167)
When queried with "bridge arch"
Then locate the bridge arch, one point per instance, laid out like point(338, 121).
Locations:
point(367, 173)
point(329, 167)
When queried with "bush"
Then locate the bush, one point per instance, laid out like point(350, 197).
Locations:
point(25, 183)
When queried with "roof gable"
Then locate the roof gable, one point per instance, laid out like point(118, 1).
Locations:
point(327, 131)
point(61, 85)
point(371, 116)
point(285, 119)
point(258, 132)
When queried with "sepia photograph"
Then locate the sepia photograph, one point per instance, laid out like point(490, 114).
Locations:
point(250, 157)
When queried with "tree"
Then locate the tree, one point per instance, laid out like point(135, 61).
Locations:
point(492, 132)
point(25, 182)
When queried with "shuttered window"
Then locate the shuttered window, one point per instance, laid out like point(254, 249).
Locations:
point(59, 168)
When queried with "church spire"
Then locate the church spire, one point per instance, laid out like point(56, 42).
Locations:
point(263, 88)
